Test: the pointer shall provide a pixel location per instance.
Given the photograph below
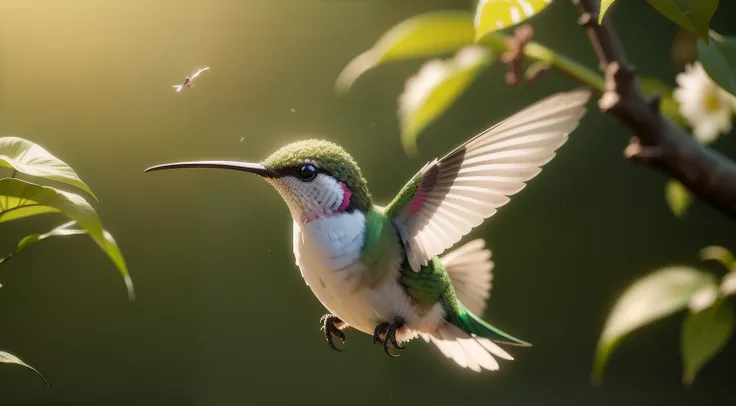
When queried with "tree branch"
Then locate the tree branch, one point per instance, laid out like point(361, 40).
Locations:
point(658, 143)
point(541, 55)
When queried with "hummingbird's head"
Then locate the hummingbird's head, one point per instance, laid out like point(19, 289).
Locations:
point(315, 178)
point(318, 178)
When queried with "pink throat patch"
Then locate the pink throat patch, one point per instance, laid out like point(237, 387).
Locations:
point(346, 194)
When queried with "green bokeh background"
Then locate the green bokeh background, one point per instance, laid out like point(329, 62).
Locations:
point(222, 315)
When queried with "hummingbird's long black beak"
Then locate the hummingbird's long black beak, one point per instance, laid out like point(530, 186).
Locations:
point(258, 169)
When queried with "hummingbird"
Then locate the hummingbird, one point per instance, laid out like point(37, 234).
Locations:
point(189, 81)
point(377, 269)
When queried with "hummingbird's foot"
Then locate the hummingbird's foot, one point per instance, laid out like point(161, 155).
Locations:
point(389, 331)
point(330, 324)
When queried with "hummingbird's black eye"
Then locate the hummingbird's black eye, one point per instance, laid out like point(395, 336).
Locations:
point(307, 172)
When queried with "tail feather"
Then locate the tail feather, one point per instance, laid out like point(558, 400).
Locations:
point(468, 340)
point(475, 325)
point(474, 353)
point(469, 267)
point(178, 88)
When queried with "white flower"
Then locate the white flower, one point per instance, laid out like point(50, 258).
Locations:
point(703, 103)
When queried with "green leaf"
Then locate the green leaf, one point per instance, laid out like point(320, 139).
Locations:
point(31, 159)
point(494, 15)
point(8, 358)
point(678, 197)
point(718, 254)
point(668, 105)
point(649, 299)
point(434, 88)
point(19, 199)
point(704, 334)
point(605, 5)
point(60, 231)
point(719, 60)
point(425, 35)
point(693, 15)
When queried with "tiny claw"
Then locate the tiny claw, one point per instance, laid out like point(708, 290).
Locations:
point(390, 331)
point(330, 329)
point(387, 351)
point(390, 339)
point(331, 343)
point(339, 334)
point(380, 329)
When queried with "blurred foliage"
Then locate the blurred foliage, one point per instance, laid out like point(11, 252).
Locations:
point(719, 60)
point(704, 333)
point(495, 15)
point(720, 255)
point(434, 34)
point(429, 34)
point(8, 358)
point(434, 88)
point(22, 199)
point(678, 197)
point(706, 328)
point(60, 231)
point(440, 32)
point(648, 299)
point(29, 158)
point(605, 5)
point(693, 15)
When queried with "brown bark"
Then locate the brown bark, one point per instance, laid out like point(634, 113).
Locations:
point(658, 143)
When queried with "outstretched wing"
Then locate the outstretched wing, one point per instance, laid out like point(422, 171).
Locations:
point(452, 195)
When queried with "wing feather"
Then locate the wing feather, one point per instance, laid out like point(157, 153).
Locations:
point(199, 71)
point(452, 195)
